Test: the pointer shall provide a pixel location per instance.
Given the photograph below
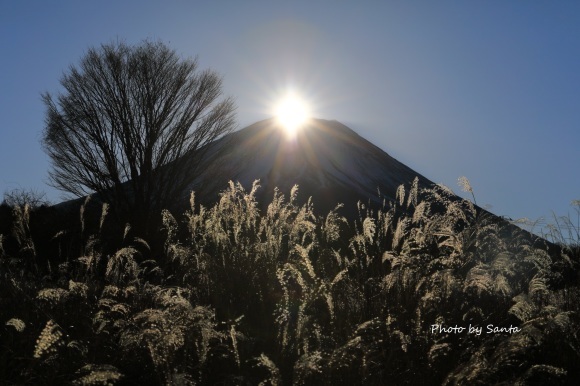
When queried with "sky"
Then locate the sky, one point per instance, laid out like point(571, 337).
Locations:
point(489, 90)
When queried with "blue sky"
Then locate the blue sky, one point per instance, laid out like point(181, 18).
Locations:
point(489, 90)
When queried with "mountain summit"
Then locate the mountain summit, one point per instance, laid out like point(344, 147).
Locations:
point(329, 161)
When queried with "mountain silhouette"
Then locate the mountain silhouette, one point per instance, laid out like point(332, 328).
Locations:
point(327, 160)
point(330, 163)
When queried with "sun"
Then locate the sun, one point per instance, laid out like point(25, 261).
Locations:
point(292, 112)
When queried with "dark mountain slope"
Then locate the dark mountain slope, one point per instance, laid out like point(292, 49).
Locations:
point(328, 160)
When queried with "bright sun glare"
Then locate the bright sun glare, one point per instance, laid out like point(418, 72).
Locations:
point(292, 112)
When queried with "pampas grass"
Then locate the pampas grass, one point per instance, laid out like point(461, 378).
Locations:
point(234, 295)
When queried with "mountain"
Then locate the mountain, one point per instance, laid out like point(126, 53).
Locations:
point(329, 161)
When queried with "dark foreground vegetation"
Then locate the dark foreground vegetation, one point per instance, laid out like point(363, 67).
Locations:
point(230, 295)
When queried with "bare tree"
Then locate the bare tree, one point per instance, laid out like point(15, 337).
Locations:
point(132, 125)
point(22, 197)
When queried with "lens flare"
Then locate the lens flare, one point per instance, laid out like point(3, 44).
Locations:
point(292, 112)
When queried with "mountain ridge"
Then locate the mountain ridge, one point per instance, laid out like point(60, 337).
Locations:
point(329, 162)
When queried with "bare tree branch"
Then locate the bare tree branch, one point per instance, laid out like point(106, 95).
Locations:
point(126, 118)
